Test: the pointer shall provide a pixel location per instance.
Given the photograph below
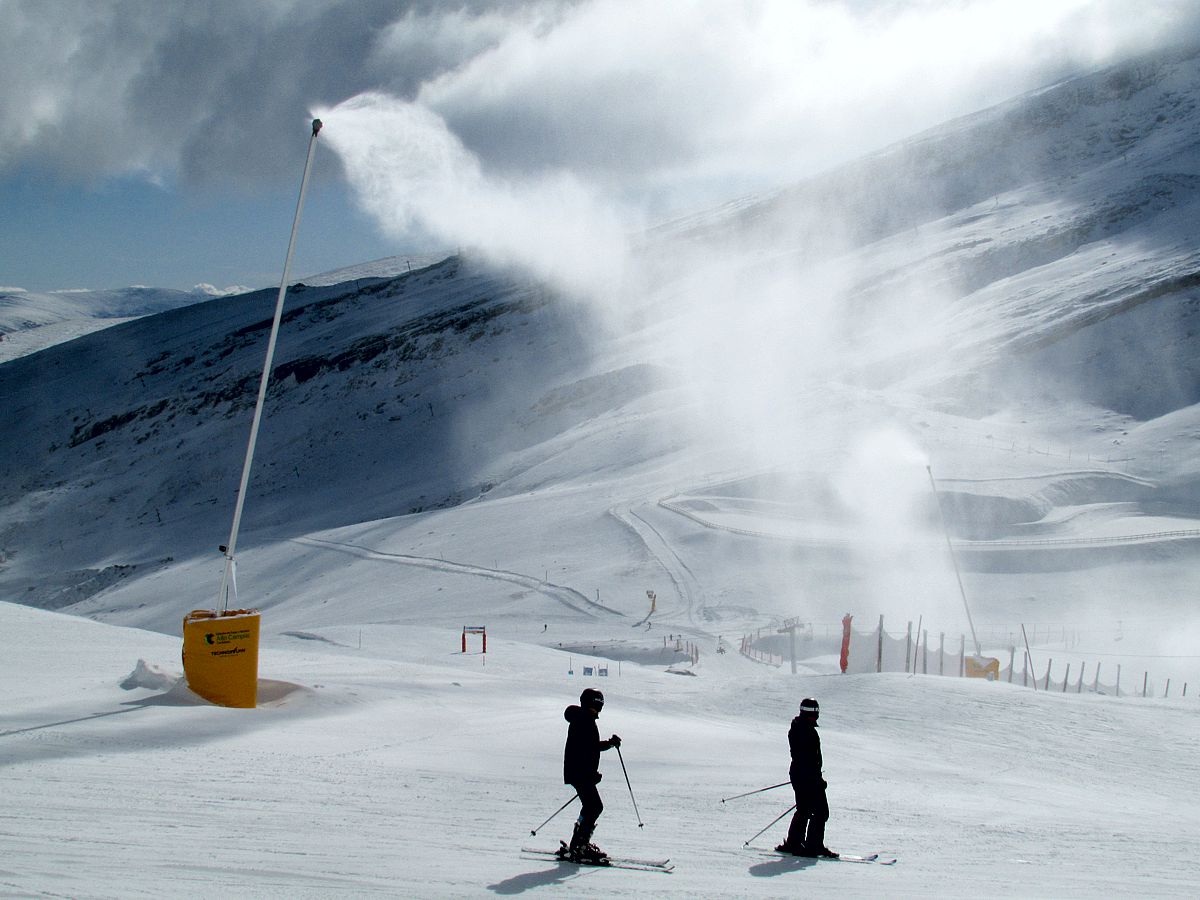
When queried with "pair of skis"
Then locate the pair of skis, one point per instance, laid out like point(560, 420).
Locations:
point(842, 857)
point(562, 854)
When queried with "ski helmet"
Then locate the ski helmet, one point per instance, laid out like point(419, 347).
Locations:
point(810, 707)
point(591, 699)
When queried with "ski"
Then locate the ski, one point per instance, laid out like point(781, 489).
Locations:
point(871, 858)
point(616, 862)
point(601, 864)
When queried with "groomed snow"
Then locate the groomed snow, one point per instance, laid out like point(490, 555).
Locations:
point(405, 768)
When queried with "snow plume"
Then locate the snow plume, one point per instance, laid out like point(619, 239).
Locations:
point(408, 169)
point(884, 483)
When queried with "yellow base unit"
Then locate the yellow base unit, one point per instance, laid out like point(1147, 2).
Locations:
point(220, 656)
point(982, 667)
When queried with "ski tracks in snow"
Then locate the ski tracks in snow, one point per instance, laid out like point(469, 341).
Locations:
point(567, 596)
point(685, 584)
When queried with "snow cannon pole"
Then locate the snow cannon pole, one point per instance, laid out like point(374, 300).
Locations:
point(954, 560)
point(553, 814)
point(773, 821)
point(229, 580)
point(641, 824)
point(759, 791)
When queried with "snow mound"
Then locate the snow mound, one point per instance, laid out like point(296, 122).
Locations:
point(147, 675)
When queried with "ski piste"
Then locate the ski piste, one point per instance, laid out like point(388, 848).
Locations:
point(841, 857)
point(614, 862)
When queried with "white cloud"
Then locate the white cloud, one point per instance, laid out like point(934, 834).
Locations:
point(639, 96)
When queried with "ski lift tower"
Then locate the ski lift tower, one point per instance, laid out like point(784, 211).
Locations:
point(789, 627)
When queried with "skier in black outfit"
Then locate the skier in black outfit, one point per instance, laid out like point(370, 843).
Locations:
point(581, 764)
point(806, 834)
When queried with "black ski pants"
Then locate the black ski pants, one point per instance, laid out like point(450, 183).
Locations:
point(812, 812)
point(589, 796)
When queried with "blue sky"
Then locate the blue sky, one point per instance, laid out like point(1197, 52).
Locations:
point(162, 143)
point(58, 235)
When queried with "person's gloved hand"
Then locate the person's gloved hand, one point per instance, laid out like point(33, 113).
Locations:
point(615, 740)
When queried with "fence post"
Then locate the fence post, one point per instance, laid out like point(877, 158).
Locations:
point(1066, 678)
point(908, 647)
point(962, 655)
point(925, 655)
point(1145, 681)
point(1167, 692)
point(879, 649)
point(1096, 680)
point(1049, 666)
point(1012, 661)
point(1082, 667)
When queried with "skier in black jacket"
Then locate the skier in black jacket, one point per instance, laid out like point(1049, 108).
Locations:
point(581, 765)
point(806, 834)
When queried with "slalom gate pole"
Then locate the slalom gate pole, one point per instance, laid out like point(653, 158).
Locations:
point(641, 824)
point(781, 815)
point(229, 549)
point(553, 814)
point(759, 791)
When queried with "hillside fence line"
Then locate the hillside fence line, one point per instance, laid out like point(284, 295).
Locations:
point(918, 652)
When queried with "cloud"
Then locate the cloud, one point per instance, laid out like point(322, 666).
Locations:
point(644, 98)
point(207, 92)
point(648, 96)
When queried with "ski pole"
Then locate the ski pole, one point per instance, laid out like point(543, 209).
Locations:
point(553, 814)
point(759, 791)
point(641, 824)
point(781, 815)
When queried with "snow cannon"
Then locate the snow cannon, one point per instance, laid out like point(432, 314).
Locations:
point(220, 656)
point(982, 667)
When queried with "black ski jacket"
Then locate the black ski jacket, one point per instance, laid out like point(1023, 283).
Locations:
point(581, 756)
point(806, 752)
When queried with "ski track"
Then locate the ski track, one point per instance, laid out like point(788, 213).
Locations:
point(683, 581)
point(567, 596)
point(1122, 540)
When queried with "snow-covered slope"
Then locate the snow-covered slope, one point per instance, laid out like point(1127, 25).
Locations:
point(382, 762)
point(31, 321)
point(1050, 238)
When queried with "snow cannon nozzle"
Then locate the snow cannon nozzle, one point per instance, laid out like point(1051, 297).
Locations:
point(316, 126)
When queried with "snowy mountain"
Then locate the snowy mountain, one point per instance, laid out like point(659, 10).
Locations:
point(31, 321)
point(742, 427)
